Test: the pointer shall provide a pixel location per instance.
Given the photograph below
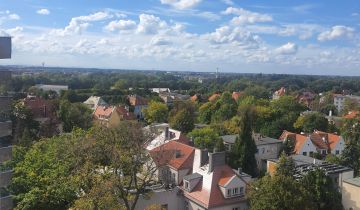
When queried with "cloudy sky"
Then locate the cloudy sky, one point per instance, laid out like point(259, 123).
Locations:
point(277, 36)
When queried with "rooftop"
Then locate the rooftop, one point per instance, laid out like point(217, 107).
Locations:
point(353, 181)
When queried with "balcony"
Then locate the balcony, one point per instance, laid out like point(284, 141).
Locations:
point(5, 154)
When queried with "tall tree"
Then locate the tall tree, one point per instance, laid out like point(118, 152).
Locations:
point(181, 117)
point(205, 138)
point(285, 166)
point(311, 122)
point(74, 115)
point(325, 194)
point(243, 152)
point(156, 112)
point(279, 192)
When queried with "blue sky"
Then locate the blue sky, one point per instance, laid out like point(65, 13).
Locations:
point(278, 36)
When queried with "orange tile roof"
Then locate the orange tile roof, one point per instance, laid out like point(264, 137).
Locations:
point(280, 92)
point(214, 96)
point(213, 197)
point(318, 140)
point(107, 111)
point(352, 115)
point(332, 139)
point(225, 177)
point(236, 95)
point(194, 98)
point(166, 155)
point(298, 138)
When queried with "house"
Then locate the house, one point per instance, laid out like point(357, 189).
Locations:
point(201, 180)
point(94, 101)
point(339, 100)
point(317, 142)
point(350, 193)
point(267, 148)
point(139, 103)
point(214, 96)
point(236, 95)
point(306, 98)
point(351, 115)
point(303, 164)
point(195, 98)
point(111, 116)
point(160, 90)
point(170, 97)
point(166, 135)
point(277, 94)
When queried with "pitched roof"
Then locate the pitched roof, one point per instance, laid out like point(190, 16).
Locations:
point(175, 154)
point(39, 107)
point(280, 92)
point(136, 100)
point(236, 95)
point(298, 138)
point(214, 96)
point(107, 111)
point(331, 139)
point(194, 98)
point(173, 135)
point(96, 101)
point(352, 115)
point(207, 193)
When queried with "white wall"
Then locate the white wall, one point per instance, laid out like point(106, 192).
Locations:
point(339, 146)
point(168, 197)
point(308, 147)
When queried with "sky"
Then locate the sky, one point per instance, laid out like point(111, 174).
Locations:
point(246, 36)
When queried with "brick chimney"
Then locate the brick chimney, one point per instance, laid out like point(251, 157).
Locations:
point(216, 159)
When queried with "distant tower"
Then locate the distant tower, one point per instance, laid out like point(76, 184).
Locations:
point(217, 72)
point(43, 64)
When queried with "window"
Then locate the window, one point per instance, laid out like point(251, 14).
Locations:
point(324, 152)
point(236, 208)
point(164, 207)
point(305, 153)
point(241, 190)
point(186, 185)
point(229, 192)
point(337, 152)
point(235, 191)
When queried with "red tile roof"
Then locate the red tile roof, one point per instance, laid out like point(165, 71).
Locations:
point(40, 108)
point(298, 138)
point(194, 98)
point(352, 115)
point(214, 96)
point(236, 95)
point(136, 100)
point(107, 111)
point(213, 197)
point(175, 154)
point(280, 92)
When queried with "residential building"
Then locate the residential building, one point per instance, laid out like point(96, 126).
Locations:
point(166, 135)
point(6, 202)
point(160, 90)
point(139, 103)
point(199, 180)
point(236, 95)
point(316, 142)
point(277, 94)
point(170, 97)
point(214, 96)
point(306, 98)
point(339, 100)
point(111, 116)
point(351, 193)
point(351, 115)
point(55, 88)
point(267, 148)
point(94, 101)
point(304, 164)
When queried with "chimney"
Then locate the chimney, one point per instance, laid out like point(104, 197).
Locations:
point(204, 157)
point(167, 133)
point(330, 113)
point(216, 159)
point(239, 171)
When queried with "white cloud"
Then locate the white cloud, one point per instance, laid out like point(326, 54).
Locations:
point(160, 41)
point(43, 12)
point(336, 32)
point(181, 4)
point(245, 16)
point(287, 49)
point(150, 24)
point(14, 17)
point(78, 24)
point(303, 31)
point(121, 25)
point(209, 15)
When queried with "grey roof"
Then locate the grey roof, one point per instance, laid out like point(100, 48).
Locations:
point(267, 140)
point(192, 176)
point(230, 139)
point(353, 181)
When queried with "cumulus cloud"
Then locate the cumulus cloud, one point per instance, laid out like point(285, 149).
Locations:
point(303, 31)
point(181, 4)
point(228, 2)
point(43, 12)
point(121, 25)
point(14, 17)
point(245, 16)
point(78, 24)
point(150, 24)
point(287, 49)
point(336, 32)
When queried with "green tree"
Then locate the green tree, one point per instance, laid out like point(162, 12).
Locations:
point(324, 193)
point(156, 112)
point(181, 117)
point(204, 138)
point(285, 166)
point(205, 113)
point(351, 156)
point(243, 152)
point(279, 192)
point(310, 122)
point(74, 115)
